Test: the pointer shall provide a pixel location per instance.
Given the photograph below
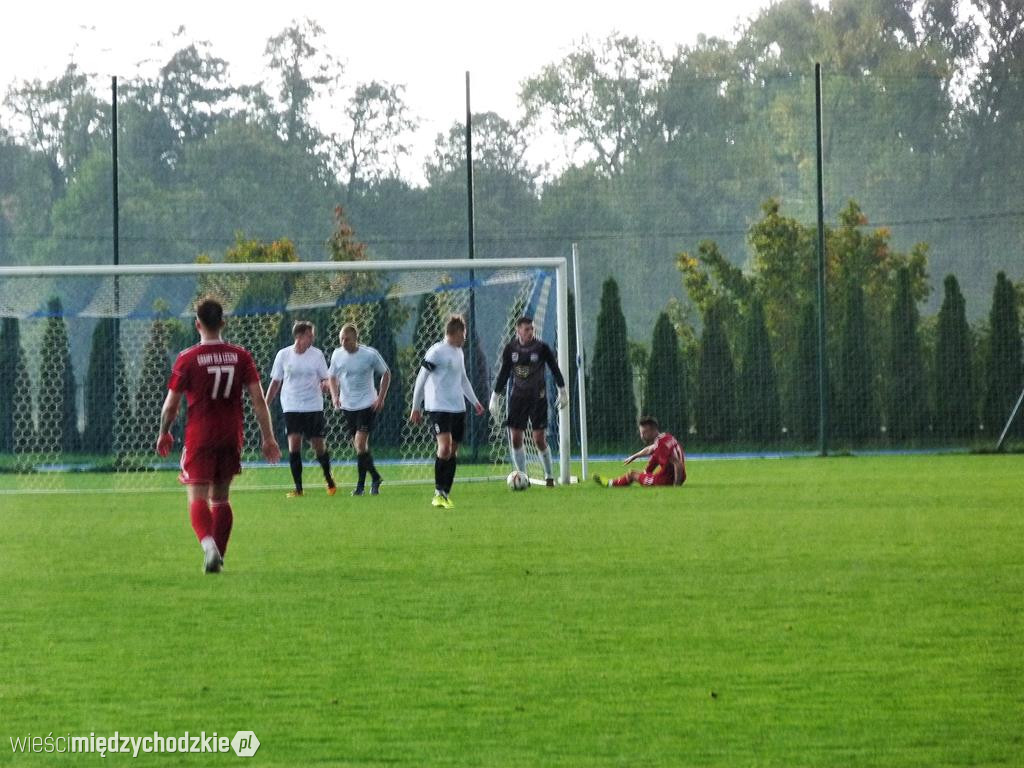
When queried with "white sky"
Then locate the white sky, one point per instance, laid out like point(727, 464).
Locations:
point(427, 45)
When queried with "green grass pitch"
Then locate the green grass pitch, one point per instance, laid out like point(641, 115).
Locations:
point(801, 612)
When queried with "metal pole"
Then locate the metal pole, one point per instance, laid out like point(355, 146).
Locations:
point(581, 368)
point(114, 182)
point(822, 361)
point(472, 275)
point(1009, 421)
point(116, 236)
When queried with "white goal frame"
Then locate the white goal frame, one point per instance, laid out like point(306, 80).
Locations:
point(558, 264)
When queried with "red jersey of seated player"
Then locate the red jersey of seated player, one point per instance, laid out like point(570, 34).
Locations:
point(660, 470)
point(213, 377)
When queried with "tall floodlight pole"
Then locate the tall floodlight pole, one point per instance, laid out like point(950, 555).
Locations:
point(822, 361)
point(471, 348)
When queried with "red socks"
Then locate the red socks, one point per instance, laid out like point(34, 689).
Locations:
point(222, 521)
point(215, 521)
point(202, 520)
point(621, 482)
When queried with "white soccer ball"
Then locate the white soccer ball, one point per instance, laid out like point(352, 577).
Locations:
point(517, 481)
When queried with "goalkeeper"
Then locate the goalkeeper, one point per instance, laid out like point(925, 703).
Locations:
point(523, 360)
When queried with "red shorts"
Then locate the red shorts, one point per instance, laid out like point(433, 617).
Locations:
point(213, 464)
point(652, 478)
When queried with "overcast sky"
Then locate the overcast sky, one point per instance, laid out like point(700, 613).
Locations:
point(427, 45)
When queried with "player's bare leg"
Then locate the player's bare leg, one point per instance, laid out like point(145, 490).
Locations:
point(324, 457)
point(202, 524)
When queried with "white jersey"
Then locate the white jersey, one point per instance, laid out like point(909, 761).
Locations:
point(300, 377)
point(354, 373)
point(442, 382)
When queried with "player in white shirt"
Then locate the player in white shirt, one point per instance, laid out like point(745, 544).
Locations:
point(443, 386)
point(352, 370)
point(299, 374)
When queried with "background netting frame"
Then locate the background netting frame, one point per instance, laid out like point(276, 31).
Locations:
point(131, 299)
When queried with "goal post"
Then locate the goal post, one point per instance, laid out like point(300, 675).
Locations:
point(62, 316)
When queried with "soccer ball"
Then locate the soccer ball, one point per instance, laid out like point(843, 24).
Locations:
point(517, 481)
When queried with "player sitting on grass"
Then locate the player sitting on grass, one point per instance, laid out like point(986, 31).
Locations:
point(667, 465)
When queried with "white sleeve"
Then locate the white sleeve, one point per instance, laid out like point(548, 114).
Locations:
point(322, 371)
point(417, 392)
point(277, 372)
point(379, 366)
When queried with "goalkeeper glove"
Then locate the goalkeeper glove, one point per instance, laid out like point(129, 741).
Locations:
point(563, 398)
point(492, 406)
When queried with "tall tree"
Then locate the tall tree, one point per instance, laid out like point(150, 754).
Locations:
point(855, 413)
point(15, 392)
point(759, 409)
point(611, 402)
point(377, 139)
point(604, 95)
point(906, 388)
point(303, 68)
point(805, 401)
point(151, 388)
point(104, 382)
point(1003, 363)
point(193, 90)
point(716, 381)
point(666, 394)
point(388, 431)
point(955, 414)
point(63, 121)
point(58, 409)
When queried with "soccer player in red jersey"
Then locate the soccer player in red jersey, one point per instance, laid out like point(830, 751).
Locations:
point(212, 376)
point(667, 465)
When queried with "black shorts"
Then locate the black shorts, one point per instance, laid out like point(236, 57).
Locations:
point(444, 421)
point(309, 424)
point(358, 421)
point(532, 410)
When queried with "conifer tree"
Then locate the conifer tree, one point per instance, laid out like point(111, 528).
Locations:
point(759, 409)
point(854, 412)
point(1003, 363)
point(612, 415)
point(58, 410)
point(906, 390)
point(954, 386)
point(716, 381)
point(666, 394)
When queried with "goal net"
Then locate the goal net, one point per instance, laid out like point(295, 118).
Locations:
point(86, 353)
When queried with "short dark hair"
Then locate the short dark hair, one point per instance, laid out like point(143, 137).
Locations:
point(524, 320)
point(301, 327)
point(455, 325)
point(649, 421)
point(210, 313)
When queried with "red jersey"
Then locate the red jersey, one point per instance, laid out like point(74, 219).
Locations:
point(213, 376)
point(666, 450)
